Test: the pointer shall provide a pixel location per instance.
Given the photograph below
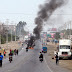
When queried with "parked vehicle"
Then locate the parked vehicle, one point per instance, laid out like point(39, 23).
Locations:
point(64, 49)
point(44, 49)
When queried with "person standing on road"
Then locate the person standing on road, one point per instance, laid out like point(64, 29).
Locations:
point(22, 44)
point(4, 53)
point(1, 58)
point(10, 50)
point(17, 51)
point(57, 59)
point(55, 52)
point(42, 50)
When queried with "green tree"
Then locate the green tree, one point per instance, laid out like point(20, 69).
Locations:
point(57, 35)
point(20, 28)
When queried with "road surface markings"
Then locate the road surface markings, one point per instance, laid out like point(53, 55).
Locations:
point(48, 66)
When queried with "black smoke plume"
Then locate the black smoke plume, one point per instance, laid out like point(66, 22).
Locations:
point(31, 41)
point(44, 14)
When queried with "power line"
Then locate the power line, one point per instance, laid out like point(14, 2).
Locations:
point(33, 14)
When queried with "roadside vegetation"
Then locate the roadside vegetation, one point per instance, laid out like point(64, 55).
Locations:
point(3, 38)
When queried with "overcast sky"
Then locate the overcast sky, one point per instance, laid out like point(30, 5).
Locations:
point(26, 10)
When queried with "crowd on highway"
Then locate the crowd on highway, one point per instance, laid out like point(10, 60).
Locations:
point(11, 53)
point(15, 52)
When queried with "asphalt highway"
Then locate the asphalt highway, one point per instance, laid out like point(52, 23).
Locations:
point(26, 62)
point(29, 62)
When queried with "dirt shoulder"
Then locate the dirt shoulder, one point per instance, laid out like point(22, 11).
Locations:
point(11, 45)
point(67, 64)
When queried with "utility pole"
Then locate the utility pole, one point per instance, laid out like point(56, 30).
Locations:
point(0, 32)
point(11, 34)
point(11, 31)
point(68, 30)
point(7, 21)
point(70, 27)
point(15, 31)
point(65, 29)
point(0, 39)
point(20, 33)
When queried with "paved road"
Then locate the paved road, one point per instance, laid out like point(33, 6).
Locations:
point(27, 62)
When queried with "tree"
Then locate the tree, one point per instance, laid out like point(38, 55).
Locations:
point(66, 33)
point(3, 34)
point(3, 29)
point(57, 35)
point(20, 28)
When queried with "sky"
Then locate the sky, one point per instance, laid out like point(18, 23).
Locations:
point(19, 10)
point(26, 10)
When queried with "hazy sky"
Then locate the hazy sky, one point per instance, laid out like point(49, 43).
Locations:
point(26, 10)
point(19, 10)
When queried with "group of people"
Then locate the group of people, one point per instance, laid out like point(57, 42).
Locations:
point(56, 57)
point(12, 52)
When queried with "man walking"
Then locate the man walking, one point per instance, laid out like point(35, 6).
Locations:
point(1, 58)
point(17, 51)
point(4, 53)
point(57, 59)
